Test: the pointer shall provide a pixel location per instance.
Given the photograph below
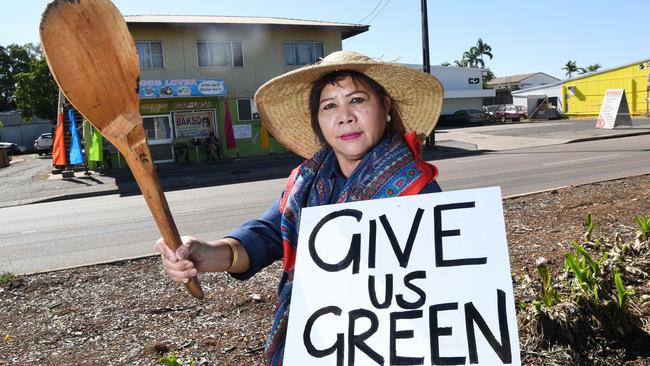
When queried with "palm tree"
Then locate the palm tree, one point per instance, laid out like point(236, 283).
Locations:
point(483, 49)
point(472, 57)
point(461, 63)
point(590, 68)
point(594, 67)
point(570, 68)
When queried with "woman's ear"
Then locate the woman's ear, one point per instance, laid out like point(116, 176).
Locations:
point(388, 104)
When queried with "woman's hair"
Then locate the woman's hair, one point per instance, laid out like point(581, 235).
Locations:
point(332, 78)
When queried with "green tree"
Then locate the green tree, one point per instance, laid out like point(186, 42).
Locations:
point(487, 76)
point(570, 68)
point(14, 59)
point(483, 48)
point(472, 57)
point(36, 91)
point(446, 63)
point(590, 68)
point(461, 63)
point(593, 67)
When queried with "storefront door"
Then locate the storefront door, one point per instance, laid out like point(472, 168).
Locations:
point(159, 134)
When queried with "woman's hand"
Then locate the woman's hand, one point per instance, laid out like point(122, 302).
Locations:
point(195, 256)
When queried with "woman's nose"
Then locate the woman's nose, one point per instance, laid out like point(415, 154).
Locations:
point(346, 116)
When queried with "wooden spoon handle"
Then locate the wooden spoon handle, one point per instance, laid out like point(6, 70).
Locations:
point(127, 134)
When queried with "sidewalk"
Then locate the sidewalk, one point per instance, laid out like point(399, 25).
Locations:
point(30, 180)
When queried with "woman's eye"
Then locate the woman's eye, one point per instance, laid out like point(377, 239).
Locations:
point(328, 106)
point(357, 100)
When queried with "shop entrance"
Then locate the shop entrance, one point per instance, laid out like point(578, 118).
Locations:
point(158, 129)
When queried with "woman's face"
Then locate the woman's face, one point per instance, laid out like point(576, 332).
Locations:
point(352, 119)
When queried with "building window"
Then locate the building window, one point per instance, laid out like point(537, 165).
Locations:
point(150, 54)
point(157, 128)
point(246, 110)
point(302, 53)
point(228, 54)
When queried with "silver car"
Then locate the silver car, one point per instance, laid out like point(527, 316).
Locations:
point(43, 144)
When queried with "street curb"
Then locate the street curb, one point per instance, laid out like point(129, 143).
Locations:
point(73, 196)
point(592, 138)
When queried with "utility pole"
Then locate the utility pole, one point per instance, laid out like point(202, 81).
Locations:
point(426, 64)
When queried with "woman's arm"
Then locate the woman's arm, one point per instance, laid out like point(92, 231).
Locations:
point(253, 246)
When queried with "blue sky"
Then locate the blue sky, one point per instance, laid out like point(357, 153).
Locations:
point(526, 36)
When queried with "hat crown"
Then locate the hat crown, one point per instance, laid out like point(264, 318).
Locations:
point(345, 57)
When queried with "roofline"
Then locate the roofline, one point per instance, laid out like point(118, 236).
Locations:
point(530, 75)
point(347, 29)
point(581, 76)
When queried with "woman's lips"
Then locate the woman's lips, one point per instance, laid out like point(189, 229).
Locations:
point(350, 136)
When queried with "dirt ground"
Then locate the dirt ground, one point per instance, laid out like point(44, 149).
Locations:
point(129, 313)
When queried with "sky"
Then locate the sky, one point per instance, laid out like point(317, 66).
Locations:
point(525, 36)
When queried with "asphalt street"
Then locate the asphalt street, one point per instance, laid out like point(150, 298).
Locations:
point(109, 225)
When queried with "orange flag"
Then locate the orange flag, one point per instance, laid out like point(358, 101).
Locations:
point(264, 138)
point(58, 146)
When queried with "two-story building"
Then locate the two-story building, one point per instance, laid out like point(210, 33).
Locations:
point(199, 75)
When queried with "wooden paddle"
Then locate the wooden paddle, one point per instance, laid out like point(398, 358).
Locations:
point(92, 57)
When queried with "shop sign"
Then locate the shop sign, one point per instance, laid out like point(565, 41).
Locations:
point(154, 108)
point(197, 104)
point(193, 123)
point(183, 88)
point(415, 280)
point(242, 131)
point(614, 110)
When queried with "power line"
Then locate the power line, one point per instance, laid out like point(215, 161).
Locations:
point(373, 18)
point(382, 8)
point(369, 14)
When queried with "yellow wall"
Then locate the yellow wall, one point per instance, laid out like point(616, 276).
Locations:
point(262, 49)
point(591, 89)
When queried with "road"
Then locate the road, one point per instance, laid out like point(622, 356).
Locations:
point(46, 236)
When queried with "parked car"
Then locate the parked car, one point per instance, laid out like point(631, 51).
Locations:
point(523, 111)
point(509, 112)
point(488, 110)
point(12, 148)
point(43, 144)
point(464, 117)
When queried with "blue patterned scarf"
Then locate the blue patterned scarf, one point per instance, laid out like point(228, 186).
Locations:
point(392, 168)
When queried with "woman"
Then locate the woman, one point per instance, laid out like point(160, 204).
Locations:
point(366, 118)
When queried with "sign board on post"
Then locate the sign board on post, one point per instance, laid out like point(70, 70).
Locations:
point(614, 110)
point(417, 280)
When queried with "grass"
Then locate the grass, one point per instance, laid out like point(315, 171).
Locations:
point(5, 278)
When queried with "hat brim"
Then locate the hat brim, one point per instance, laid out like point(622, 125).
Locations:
point(283, 102)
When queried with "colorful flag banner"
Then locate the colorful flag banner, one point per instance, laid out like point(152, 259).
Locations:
point(230, 135)
point(58, 146)
point(96, 151)
point(76, 157)
point(264, 138)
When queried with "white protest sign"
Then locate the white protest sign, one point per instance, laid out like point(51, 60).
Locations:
point(614, 110)
point(417, 280)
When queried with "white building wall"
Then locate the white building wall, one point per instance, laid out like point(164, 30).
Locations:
point(536, 80)
point(529, 97)
point(463, 87)
point(458, 78)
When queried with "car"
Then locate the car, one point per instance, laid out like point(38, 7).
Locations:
point(508, 112)
point(523, 111)
point(12, 148)
point(464, 117)
point(488, 110)
point(43, 144)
